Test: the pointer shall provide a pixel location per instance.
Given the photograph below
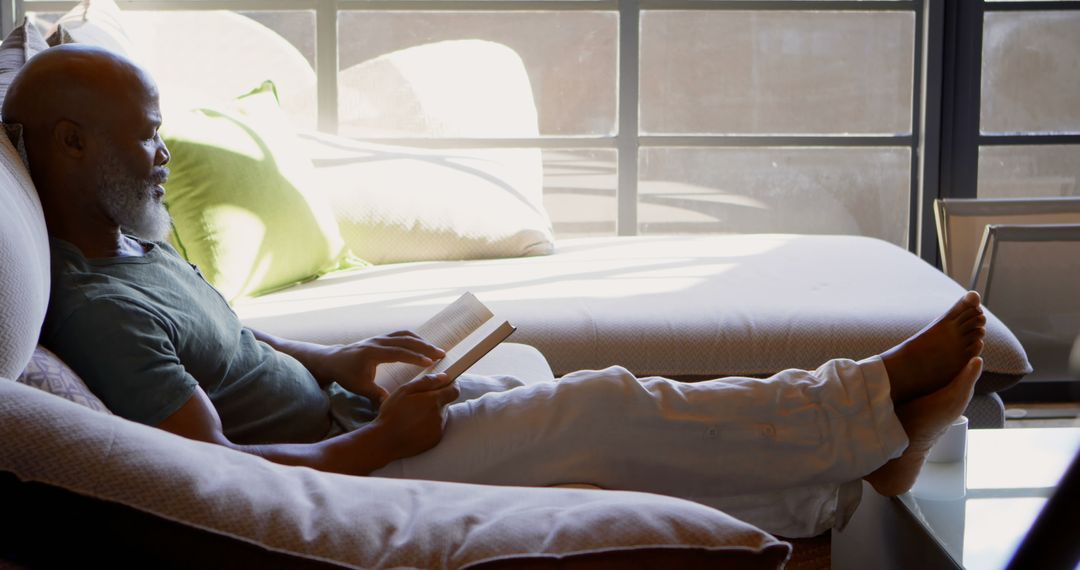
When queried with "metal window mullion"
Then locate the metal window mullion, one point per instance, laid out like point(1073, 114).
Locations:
point(721, 141)
point(326, 65)
point(930, 95)
point(780, 5)
point(481, 142)
point(627, 138)
point(643, 141)
point(1051, 6)
point(239, 5)
point(962, 72)
point(478, 5)
point(915, 202)
point(1033, 139)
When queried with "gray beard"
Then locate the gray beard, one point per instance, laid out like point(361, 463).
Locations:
point(130, 201)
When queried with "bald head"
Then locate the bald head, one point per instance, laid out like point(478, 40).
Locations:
point(83, 84)
point(90, 126)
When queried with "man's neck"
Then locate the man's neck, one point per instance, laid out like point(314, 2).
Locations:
point(104, 244)
point(130, 247)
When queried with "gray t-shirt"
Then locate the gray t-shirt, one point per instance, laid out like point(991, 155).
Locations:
point(144, 331)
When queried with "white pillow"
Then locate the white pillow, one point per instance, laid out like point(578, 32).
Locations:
point(244, 53)
point(95, 22)
point(397, 204)
point(354, 521)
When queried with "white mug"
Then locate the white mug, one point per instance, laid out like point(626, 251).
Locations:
point(952, 445)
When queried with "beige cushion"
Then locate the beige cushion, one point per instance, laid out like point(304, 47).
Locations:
point(678, 306)
point(399, 204)
point(461, 88)
point(24, 263)
point(48, 373)
point(95, 22)
point(353, 521)
point(243, 51)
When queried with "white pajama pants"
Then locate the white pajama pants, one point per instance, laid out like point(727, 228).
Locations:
point(785, 453)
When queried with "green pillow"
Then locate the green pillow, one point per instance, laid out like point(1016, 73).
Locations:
point(241, 199)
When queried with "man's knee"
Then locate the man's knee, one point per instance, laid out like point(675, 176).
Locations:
point(472, 386)
point(609, 384)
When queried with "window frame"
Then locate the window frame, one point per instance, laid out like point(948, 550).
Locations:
point(961, 134)
point(925, 141)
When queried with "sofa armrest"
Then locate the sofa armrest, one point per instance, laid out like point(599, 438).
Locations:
point(366, 522)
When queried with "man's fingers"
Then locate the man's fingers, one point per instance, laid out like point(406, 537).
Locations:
point(426, 383)
point(405, 339)
point(447, 394)
point(384, 354)
point(377, 394)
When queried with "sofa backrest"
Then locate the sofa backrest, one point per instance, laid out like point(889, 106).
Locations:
point(24, 263)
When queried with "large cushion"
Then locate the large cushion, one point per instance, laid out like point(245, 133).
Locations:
point(244, 53)
point(242, 199)
point(396, 204)
point(456, 89)
point(24, 263)
point(685, 306)
point(354, 521)
point(94, 22)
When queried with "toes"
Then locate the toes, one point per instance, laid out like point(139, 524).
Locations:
point(958, 309)
point(973, 370)
point(970, 373)
point(972, 321)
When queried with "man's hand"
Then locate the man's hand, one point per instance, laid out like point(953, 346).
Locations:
point(411, 420)
point(353, 365)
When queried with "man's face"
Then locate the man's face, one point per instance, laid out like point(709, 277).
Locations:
point(131, 169)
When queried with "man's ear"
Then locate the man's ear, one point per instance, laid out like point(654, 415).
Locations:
point(70, 138)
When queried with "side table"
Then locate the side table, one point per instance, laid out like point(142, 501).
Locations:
point(970, 514)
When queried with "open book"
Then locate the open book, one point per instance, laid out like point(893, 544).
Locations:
point(465, 329)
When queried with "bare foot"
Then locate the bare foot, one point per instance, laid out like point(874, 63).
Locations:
point(933, 356)
point(925, 419)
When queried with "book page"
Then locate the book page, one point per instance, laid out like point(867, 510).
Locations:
point(452, 324)
point(445, 330)
point(473, 348)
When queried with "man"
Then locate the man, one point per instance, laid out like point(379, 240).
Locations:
point(160, 346)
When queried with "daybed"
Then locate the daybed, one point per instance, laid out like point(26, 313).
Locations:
point(687, 307)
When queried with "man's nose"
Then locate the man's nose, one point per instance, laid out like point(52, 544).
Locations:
point(163, 155)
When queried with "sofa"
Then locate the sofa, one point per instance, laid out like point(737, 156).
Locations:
point(687, 307)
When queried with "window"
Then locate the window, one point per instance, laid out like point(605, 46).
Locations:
point(1016, 89)
point(652, 116)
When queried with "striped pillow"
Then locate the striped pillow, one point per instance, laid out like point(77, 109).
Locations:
point(48, 373)
point(19, 46)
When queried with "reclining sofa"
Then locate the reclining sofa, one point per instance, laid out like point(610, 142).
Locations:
point(686, 307)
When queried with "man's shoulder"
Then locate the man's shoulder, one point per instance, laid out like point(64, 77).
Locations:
point(72, 271)
point(81, 285)
point(77, 281)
